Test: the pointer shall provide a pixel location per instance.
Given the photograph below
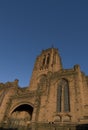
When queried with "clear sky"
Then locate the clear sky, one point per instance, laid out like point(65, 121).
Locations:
point(28, 26)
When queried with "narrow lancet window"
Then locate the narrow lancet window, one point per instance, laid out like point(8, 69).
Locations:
point(48, 59)
point(59, 95)
point(44, 60)
point(66, 98)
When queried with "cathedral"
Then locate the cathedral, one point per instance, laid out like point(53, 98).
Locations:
point(56, 98)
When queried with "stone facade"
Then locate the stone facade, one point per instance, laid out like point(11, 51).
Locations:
point(55, 99)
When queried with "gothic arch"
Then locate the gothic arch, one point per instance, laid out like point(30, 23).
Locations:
point(42, 76)
point(42, 79)
point(42, 83)
point(20, 115)
point(63, 101)
point(19, 104)
point(66, 118)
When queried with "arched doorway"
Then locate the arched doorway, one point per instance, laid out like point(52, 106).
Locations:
point(21, 117)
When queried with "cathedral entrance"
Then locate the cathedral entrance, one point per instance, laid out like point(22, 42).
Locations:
point(21, 117)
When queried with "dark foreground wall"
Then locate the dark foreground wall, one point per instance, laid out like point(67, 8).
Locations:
point(8, 128)
point(82, 127)
point(51, 127)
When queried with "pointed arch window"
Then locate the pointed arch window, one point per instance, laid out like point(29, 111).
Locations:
point(48, 59)
point(44, 60)
point(63, 104)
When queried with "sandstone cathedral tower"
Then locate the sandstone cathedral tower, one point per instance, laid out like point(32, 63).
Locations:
point(56, 98)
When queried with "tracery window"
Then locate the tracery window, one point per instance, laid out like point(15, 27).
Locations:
point(63, 104)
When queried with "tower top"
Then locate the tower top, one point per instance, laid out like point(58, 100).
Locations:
point(48, 61)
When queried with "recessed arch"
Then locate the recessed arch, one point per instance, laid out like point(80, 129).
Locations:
point(21, 116)
point(24, 107)
point(19, 104)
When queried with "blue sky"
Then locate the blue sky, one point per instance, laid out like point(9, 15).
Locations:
point(28, 26)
